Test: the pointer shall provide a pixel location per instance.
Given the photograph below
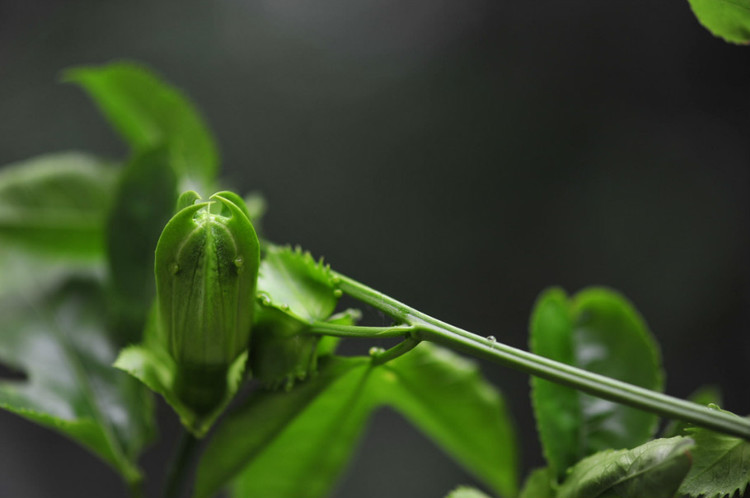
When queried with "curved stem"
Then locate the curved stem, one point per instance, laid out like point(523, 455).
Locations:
point(432, 329)
point(179, 470)
point(338, 330)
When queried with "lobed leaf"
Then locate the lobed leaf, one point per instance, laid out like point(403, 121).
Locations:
point(721, 465)
point(59, 341)
point(654, 469)
point(439, 392)
point(57, 204)
point(727, 19)
point(148, 112)
point(599, 331)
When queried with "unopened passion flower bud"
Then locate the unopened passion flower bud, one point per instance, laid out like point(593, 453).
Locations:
point(206, 268)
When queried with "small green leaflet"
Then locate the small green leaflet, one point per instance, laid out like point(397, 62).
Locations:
point(294, 291)
point(597, 330)
point(293, 282)
point(57, 204)
point(654, 469)
point(721, 465)
point(148, 112)
point(727, 19)
point(329, 411)
point(60, 342)
point(466, 492)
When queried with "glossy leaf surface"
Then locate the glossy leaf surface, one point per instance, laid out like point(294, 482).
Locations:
point(727, 19)
point(57, 203)
point(148, 112)
point(60, 342)
point(654, 469)
point(597, 330)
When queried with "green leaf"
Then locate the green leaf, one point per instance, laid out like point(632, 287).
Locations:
point(292, 282)
point(539, 484)
point(149, 112)
point(727, 19)
point(59, 341)
point(466, 492)
point(294, 291)
point(597, 330)
point(721, 465)
point(57, 203)
point(153, 366)
point(654, 469)
point(318, 422)
point(144, 203)
point(445, 396)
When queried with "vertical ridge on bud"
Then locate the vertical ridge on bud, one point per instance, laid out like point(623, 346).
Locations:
point(205, 297)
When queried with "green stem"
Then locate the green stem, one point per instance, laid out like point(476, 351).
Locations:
point(399, 349)
point(431, 329)
point(338, 330)
point(179, 471)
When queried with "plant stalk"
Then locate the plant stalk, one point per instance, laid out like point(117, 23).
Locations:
point(179, 470)
point(431, 329)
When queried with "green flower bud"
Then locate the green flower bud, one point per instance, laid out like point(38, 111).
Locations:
point(206, 266)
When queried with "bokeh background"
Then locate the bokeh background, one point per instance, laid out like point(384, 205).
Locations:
point(460, 156)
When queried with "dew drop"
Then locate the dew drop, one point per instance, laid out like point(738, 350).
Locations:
point(337, 293)
point(491, 339)
point(174, 268)
point(264, 299)
point(374, 351)
point(239, 264)
point(336, 280)
point(285, 307)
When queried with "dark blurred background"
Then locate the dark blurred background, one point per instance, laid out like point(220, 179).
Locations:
point(460, 156)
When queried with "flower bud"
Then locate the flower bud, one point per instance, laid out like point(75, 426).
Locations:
point(206, 269)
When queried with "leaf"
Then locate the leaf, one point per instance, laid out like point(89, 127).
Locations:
point(599, 331)
point(721, 465)
point(294, 291)
point(445, 396)
point(466, 492)
point(654, 469)
point(61, 344)
point(329, 411)
point(539, 484)
point(153, 366)
point(57, 203)
point(318, 422)
point(727, 19)
point(144, 203)
point(149, 112)
point(292, 282)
